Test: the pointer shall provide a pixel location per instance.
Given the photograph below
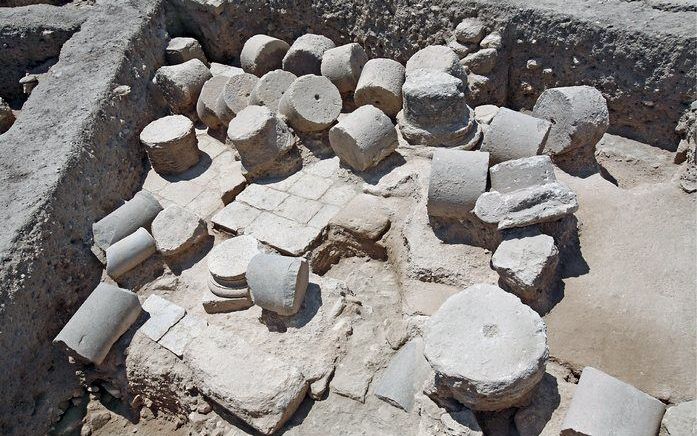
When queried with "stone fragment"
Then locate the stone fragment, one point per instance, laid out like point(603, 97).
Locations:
point(171, 145)
point(457, 180)
point(343, 65)
point(469, 31)
point(99, 322)
point(680, 420)
point(225, 70)
point(578, 114)
point(129, 252)
point(207, 104)
point(436, 420)
point(363, 138)
point(270, 88)
point(231, 181)
point(435, 111)
point(278, 283)
point(305, 55)
point(227, 261)
point(7, 117)
point(182, 49)
point(492, 40)
point(513, 135)
point(522, 173)
point(181, 84)
point(603, 404)
point(404, 376)
point(29, 82)
point(262, 53)
point(175, 230)
point(182, 333)
point(163, 315)
point(524, 207)
point(380, 85)
point(481, 61)
point(438, 58)
point(364, 217)
point(213, 303)
point(235, 217)
point(311, 104)
point(485, 113)
point(235, 96)
point(505, 343)
point(460, 49)
point(287, 236)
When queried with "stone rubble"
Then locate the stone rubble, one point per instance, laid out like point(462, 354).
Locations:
point(207, 104)
point(278, 283)
point(680, 420)
point(262, 53)
point(481, 62)
point(404, 377)
point(235, 96)
point(380, 85)
point(469, 31)
point(176, 229)
point(270, 88)
point(305, 54)
point(181, 84)
point(183, 49)
point(171, 145)
point(514, 135)
point(311, 104)
point(458, 179)
point(342, 65)
point(225, 70)
point(129, 252)
point(7, 117)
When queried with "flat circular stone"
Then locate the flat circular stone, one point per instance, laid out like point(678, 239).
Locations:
point(228, 260)
point(169, 129)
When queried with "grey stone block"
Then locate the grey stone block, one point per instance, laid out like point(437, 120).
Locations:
point(380, 85)
point(680, 420)
point(175, 230)
point(262, 53)
point(163, 315)
point(514, 135)
point(129, 252)
point(364, 217)
point(207, 104)
point(235, 96)
point(305, 55)
point(469, 31)
point(99, 322)
point(404, 376)
point(278, 283)
point(182, 49)
point(182, 333)
point(342, 65)
point(457, 180)
point(270, 88)
point(481, 61)
point(438, 58)
point(603, 405)
point(522, 173)
point(171, 145)
point(181, 84)
point(231, 181)
point(311, 104)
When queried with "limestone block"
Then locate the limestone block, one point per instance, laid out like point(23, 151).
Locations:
point(380, 85)
point(505, 343)
point(129, 252)
point(278, 283)
point(175, 230)
point(579, 117)
point(225, 70)
point(99, 322)
point(522, 173)
point(235, 96)
point(235, 217)
point(7, 117)
point(182, 49)
point(305, 55)
point(262, 53)
point(469, 31)
point(492, 40)
point(482, 61)
point(439, 58)
point(603, 404)
point(680, 420)
point(207, 104)
point(343, 65)
point(513, 135)
point(181, 84)
point(213, 303)
point(363, 138)
point(182, 333)
point(231, 181)
point(485, 113)
point(163, 314)
point(457, 180)
point(311, 104)
point(228, 261)
point(404, 376)
point(171, 144)
point(364, 217)
point(270, 88)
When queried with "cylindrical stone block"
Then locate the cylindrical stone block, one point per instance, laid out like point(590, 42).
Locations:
point(181, 84)
point(270, 88)
point(228, 261)
point(262, 53)
point(170, 143)
point(380, 85)
point(439, 58)
point(514, 135)
point(235, 96)
point(311, 104)
point(206, 106)
point(182, 49)
point(458, 178)
point(578, 114)
point(363, 138)
point(278, 283)
point(129, 252)
point(343, 65)
point(305, 55)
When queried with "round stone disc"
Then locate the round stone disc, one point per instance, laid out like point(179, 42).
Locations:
point(228, 260)
point(167, 129)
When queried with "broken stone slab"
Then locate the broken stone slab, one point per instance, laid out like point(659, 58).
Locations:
point(524, 207)
point(342, 65)
point(235, 96)
point(437, 58)
point(436, 420)
point(680, 420)
point(458, 179)
point(182, 333)
point(270, 88)
point(404, 376)
point(231, 181)
point(363, 138)
point(305, 54)
point(380, 85)
point(129, 252)
point(228, 261)
point(99, 322)
point(212, 302)
point(235, 217)
point(481, 61)
point(171, 144)
point(207, 104)
point(469, 31)
point(364, 217)
point(175, 230)
point(514, 135)
point(182, 49)
point(522, 173)
point(506, 345)
point(603, 404)
point(7, 117)
point(278, 283)
point(163, 315)
point(311, 104)
point(579, 117)
point(485, 113)
point(225, 70)
point(181, 84)
point(262, 53)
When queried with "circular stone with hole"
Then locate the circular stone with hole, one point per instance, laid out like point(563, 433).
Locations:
point(270, 88)
point(311, 104)
point(170, 143)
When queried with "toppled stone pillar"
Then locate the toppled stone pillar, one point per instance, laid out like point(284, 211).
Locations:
point(171, 144)
point(227, 266)
point(235, 96)
point(404, 376)
point(380, 85)
point(435, 111)
point(522, 173)
point(104, 316)
point(262, 53)
point(207, 104)
point(343, 65)
point(514, 135)
point(129, 252)
point(505, 345)
point(278, 283)
point(175, 230)
point(605, 405)
point(363, 138)
point(270, 88)
point(457, 180)
point(305, 55)
point(7, 118)
point(437, 58)
point(181, 84)
point(311, 104)
point(183, 49)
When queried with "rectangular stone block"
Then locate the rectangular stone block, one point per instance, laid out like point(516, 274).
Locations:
point(286, 235)
point(163, 315)
point(235, 217)
point(182, 333)
point(262, 197)
point(522, 173)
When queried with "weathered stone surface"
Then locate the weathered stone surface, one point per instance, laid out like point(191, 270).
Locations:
point(181, 84)
point(228, 261)
point(235, 217)
point(231, 181)
point(514, 135)
point(343, 65)
point(182, 333)
point(278, 283)
point(579, 117)
point(469, 31)
point(485, 113)
point(175, 230)
point(404, 377)
point(305, 55)
point(170, 143)
point(129, 252)
point(630, 163)
point(213, 303)
point(424, 298)
point(181, 49)
point(311, 104)
point(104, 316)
point(460, 49)
point(225, 70)
point(522, 173)
point(364, 217)
point(207, 104)
point(262, 53)
point(492, 40)
point(7, 118)
point(270, 88)
point(437, 58)
point(603, 404)
point(679, 420)
point(481, 61)
point(380, 85)
point(436, 420)
point(457, 180)
point(163, 315)
point(363, 138)
point(506, 343)
point(235, 96)
point(262, 197)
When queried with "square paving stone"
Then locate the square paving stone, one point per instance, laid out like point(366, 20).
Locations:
point(310, 186)
point(163, 315)
point(298, 209)
point(262, 197)
point(235, 217)
point(283, 234)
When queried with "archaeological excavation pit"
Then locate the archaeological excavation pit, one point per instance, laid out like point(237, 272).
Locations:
point(456, 217)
